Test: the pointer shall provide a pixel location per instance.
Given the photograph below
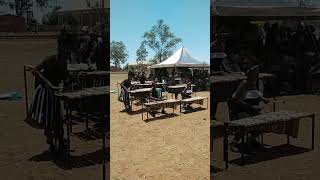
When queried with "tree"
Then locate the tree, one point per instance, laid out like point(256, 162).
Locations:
point(118, 53)
point(51, 17)
point(22, 6)
point(161, 41)
point(141, 53)
point(99, 7)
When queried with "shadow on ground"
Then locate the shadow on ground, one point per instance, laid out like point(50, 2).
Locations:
point(270, 154)
point(188, 111)
point(85, 160)
point(162, 117)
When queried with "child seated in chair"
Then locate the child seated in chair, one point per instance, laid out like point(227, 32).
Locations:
point(187, 93)
point(245, 101)
point(155, 96)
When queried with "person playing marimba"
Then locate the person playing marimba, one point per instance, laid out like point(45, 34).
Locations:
point(245, 101)
point(125, 86)
point(45, 108)
point(187, 93)
point(155, 95)
point(142, 78)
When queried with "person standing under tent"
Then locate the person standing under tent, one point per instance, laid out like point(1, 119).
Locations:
point(219, 53)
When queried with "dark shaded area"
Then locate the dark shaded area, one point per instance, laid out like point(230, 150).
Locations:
point(163, 117)
point(214, 169)
point(188, 111)
point(269, 154)
point(84, 160)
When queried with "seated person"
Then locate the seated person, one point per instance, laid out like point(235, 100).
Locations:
point(155, 96)
point(124, 96)
point(187, 93)
point(245, 101)
point(142, 78)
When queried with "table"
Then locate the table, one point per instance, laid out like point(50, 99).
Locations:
point(70, 96)
point(171, 103)
point(264, 122)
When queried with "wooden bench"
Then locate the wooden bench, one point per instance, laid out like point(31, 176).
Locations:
point(264, 122)
point(195, 100)
point(172, 103)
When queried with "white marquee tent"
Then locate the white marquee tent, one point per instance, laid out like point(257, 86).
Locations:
point(181, 58)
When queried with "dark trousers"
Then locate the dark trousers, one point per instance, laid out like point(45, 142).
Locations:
point(217, 64)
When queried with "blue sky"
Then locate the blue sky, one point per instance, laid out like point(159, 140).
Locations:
point(266, 2)
point(187, 19)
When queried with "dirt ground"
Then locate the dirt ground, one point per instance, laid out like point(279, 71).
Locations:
point(171, 148)
point(295, 162)
point(23, 149)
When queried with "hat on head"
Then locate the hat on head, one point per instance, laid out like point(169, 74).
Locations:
point(256, 67)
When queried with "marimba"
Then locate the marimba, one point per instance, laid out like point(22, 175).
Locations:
point(85, 79)
point(81, 67)
point(177, 89)
point(172, 103)
point(139, 94)
point(265, 123)
point(148, 85)
point(225, 84)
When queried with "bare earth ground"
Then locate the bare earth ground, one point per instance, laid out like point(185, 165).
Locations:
point(171, 148)
point(22, 147)
point(294, 163)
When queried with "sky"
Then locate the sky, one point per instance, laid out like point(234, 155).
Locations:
point(187, 19)
point(266, 2)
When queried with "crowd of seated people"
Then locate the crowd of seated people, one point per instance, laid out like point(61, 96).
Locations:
point(289, 53)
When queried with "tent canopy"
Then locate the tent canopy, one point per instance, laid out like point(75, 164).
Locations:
point(181, 58)
point(265, 12)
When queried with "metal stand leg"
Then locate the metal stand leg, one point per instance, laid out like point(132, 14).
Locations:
point(68, 133)
point(173, 108)
point(288, 136)
point(225, 146)
point(313, 124)
point(242, 147)
point(142, 111)
point(26, 92)
point(104, 153)
point(147, 113)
